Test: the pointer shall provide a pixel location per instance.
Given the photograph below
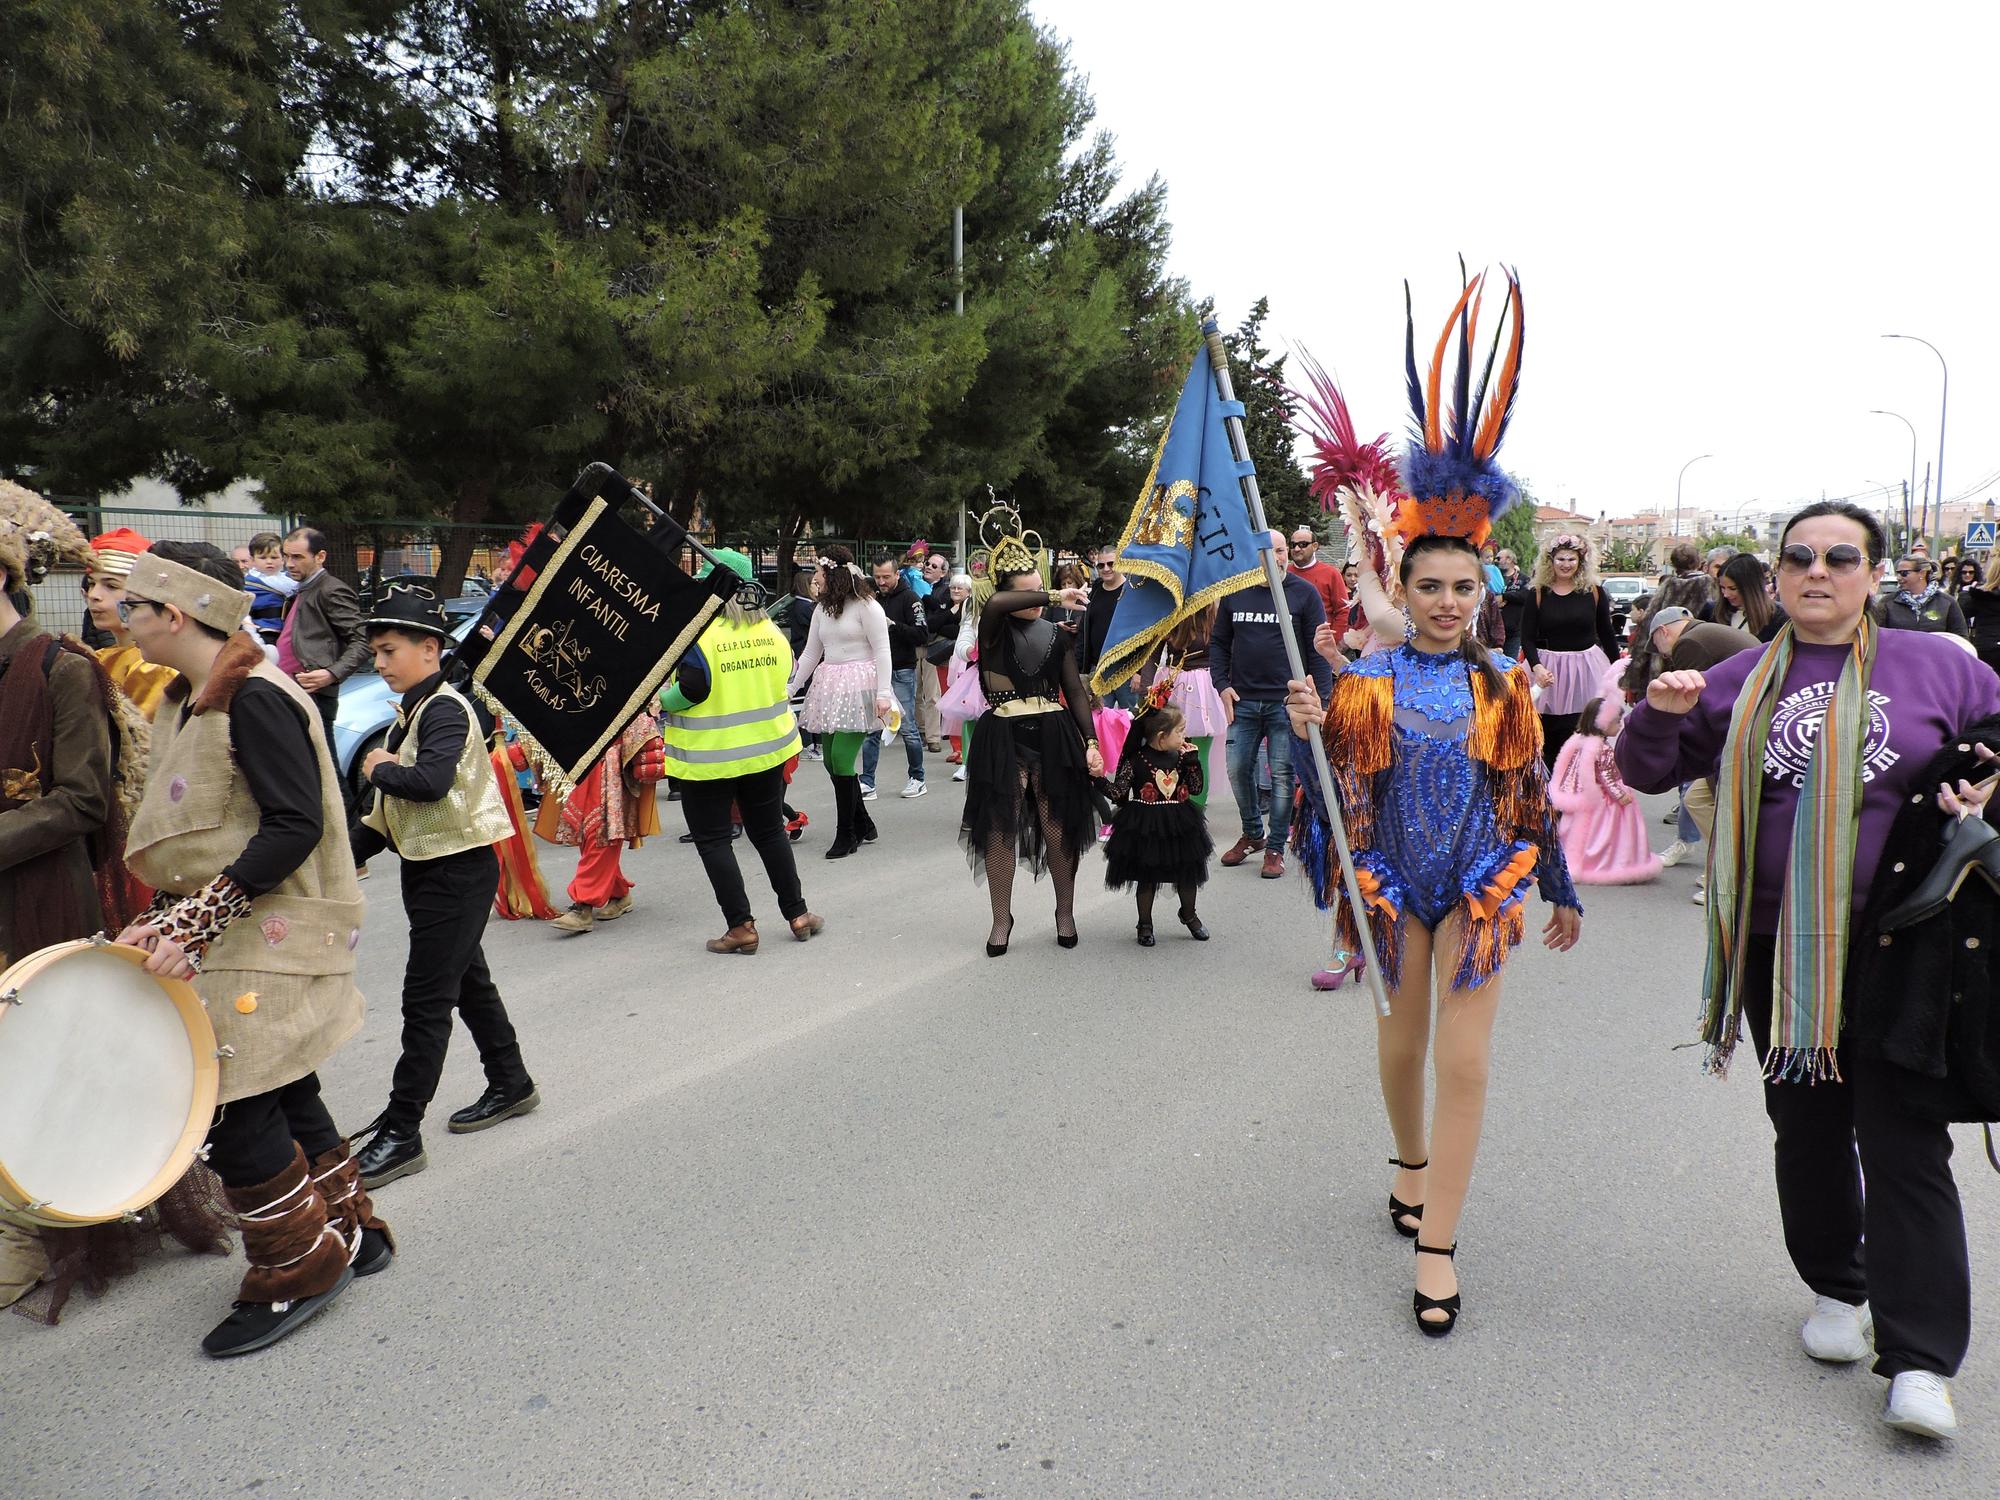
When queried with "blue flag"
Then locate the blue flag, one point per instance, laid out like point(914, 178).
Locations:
point(1189, 541)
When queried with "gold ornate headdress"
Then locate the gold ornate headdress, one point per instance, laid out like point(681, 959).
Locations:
point(1007, 547)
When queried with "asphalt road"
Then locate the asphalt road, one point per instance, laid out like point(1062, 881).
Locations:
point(878, 1216)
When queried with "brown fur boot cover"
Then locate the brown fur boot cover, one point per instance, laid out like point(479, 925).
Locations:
point(348, 1206)
point(293, 1251)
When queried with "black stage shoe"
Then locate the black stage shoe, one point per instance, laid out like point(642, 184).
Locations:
point(493, 1106)
point(388, 1156)
point(375, 1253)
point(257, 1325)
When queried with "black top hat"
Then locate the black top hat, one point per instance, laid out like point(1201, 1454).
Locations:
point(409, 606)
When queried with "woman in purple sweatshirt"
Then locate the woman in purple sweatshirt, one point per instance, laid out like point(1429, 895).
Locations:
point(1817, 740)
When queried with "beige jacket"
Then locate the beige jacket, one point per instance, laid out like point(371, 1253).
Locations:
point(279, 983)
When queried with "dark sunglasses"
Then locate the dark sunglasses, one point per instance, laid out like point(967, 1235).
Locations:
point(1841, 557)
point(1106, 567)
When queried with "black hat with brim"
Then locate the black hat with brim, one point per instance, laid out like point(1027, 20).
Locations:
point(409, 607)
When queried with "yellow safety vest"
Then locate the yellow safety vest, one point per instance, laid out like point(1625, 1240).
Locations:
point(745, 724)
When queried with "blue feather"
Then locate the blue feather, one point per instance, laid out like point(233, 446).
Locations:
point(1459, 440)
point(1410, 363)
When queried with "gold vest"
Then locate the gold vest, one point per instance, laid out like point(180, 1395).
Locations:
point(469, 816)
point(138, 679)
point(279, 983)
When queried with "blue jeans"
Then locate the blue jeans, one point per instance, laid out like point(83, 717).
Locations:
point(1685, 828)
point(904, 681)
point(1125, 697)
point(1255, 724)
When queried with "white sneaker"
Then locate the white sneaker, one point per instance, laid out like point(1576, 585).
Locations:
point(1838, 1332)
point(914, 789)
point(1920, 1402)
point(867, 792)
point(1701, 895)
point(813, 752)
point(1674, 853)
point(959, 774)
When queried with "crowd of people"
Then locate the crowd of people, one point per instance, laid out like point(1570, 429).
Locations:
point(1487, 728)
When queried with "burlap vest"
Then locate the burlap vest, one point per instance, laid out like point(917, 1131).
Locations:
point(279, 984)
point(469, 816)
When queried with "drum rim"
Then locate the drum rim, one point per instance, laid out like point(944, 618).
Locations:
point(201, 1111)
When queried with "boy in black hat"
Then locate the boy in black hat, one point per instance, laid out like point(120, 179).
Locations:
point(434, 801)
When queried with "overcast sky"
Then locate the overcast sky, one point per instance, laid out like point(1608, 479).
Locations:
point(1715, 210)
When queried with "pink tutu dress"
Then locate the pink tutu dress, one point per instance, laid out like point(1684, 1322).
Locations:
point(1603, 829)
point(962, 700)
point(1194, 694)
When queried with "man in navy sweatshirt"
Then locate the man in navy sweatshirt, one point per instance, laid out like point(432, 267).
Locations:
point(1246, 657)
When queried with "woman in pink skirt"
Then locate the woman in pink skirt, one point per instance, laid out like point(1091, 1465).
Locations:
point(846, 659)
point(1566, 637)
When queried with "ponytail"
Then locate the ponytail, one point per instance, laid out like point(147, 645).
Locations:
point(1481, 661)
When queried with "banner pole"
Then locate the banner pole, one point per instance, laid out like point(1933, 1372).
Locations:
point(1218, 361)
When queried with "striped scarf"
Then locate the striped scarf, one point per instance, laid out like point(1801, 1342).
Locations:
point(1819, 870)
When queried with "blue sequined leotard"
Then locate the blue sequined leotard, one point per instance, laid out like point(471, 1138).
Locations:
point(1436, 842)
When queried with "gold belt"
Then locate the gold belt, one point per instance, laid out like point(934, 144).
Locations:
point(1015, 708)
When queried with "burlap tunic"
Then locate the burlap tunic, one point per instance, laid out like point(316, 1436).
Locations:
point(294, 952)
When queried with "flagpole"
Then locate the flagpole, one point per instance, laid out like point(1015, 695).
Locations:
point(1218, 361)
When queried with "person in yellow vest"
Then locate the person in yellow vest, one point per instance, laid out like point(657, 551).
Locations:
point(729, 732)
point(111, 559)
point(433, 800)
point(241, 833)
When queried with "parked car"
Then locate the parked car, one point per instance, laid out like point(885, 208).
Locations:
point(368, 708)
point(1622, 589)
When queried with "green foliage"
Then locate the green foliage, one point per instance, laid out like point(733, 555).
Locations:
point(1259, 379)
point(1622, 556)
point(427, 257)
point(1515, 530)
point(1736, 541)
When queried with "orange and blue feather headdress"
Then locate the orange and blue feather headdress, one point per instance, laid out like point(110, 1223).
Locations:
point(1451, 485)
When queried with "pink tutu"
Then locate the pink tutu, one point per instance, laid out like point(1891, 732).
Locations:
point(1194, 694)
point(1576, 679)
point(1603, 832)
point(841, 699)
point(963, 700)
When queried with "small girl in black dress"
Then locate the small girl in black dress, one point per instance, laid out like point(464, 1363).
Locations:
point(1158, 836)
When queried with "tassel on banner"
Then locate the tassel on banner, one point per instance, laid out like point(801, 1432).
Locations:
point(551, 775)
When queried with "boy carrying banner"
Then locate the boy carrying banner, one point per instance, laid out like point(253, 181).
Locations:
point(435, 802)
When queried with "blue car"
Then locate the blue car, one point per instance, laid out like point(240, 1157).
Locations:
point(368, 708)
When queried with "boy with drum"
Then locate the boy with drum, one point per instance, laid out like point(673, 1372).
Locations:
point(242, 833)
point(432, 798)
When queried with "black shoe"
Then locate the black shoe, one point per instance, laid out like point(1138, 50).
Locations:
point(493, 1106)
point(842, 846)
point(374, 1254)
point(1398, 1209)
point(1145, 934)
point(995, 950)
point(389, 1155)
point(257, 1325)
point(1069, 941)
point(1193, 924)
point(1436, 1328)
point(869, 832)
point(1971, 845)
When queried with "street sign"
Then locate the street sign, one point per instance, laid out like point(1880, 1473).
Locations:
point(1979, 535)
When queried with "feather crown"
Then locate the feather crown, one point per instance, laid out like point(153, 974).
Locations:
point(1341, 461)
point(1451, 483)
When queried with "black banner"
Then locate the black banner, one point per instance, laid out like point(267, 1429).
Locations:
point(587, 648)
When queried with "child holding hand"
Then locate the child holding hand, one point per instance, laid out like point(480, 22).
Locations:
point(1159, 834)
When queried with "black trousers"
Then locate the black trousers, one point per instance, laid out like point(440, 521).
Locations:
point(761, 799)
point(252, 1139)
point(447, 901)
point(1900, 1245)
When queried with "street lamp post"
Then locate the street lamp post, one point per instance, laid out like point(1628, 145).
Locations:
point(1677, 489)
point(1944, 400)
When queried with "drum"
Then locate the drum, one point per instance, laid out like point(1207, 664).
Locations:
point(108, 1080)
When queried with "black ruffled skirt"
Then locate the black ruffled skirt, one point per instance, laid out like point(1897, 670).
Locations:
point(1157, 843)
point(1050, 750)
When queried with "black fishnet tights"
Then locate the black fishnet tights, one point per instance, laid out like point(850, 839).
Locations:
point(1003, 853)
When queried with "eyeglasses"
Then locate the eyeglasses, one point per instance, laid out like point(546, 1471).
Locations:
point(1107, 567)
point(1841, 557)
point(1911, 572)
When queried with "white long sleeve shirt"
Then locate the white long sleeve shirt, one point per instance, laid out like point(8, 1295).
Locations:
point(859, 633)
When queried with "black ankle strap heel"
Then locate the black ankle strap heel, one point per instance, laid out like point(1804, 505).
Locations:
point(1449, 1306)
point(1398, 1209)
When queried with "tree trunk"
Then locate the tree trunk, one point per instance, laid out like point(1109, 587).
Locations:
point(474, 503)
point(788, 548)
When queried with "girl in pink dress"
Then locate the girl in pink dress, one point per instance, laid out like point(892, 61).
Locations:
point(1603, 830)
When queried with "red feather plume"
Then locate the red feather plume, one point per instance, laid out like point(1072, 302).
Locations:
point(1341, 460)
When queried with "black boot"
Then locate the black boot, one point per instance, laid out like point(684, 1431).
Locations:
point(846, 798)
point(392, 1152)
point(493, 1106)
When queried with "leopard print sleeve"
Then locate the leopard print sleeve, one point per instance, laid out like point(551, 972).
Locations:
point(198, 919)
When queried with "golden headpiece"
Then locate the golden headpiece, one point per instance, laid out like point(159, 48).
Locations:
point(1008, 548)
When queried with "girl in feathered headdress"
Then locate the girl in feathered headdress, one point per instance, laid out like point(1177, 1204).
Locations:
point(1159, 834)
point(1435, 748)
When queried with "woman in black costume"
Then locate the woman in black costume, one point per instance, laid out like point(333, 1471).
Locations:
point(1032, 757)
